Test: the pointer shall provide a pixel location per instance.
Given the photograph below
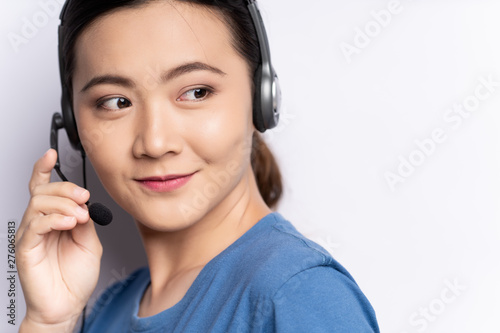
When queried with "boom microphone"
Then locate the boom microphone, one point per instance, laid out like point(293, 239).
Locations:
point(99, 213)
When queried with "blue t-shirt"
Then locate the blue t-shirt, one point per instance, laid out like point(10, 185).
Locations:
point(271, 279)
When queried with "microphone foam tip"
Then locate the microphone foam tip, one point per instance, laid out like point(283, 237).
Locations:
point(100, 214)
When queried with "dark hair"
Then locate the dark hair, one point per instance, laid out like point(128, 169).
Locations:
point(81, 13)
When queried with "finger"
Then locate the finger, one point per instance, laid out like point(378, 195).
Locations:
point(35, 232)
point(48, 204)
point(63, 189)
point(42, 169)
point(85, 235)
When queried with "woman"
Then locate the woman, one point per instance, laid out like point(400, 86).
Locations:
point(169, 85)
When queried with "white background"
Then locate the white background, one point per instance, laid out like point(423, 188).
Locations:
point(347, 121)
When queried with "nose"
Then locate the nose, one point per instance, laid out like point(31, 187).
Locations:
point(157, 131)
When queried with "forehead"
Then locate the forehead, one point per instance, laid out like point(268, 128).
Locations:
point(159, 34)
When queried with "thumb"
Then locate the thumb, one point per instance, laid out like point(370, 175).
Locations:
point(42, 169)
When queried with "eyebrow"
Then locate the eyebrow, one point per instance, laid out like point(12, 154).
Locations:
point(166, 76)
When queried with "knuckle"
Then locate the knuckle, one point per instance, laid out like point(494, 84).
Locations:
point(35, 202)
point(34, 190)
point(35, 224)
point(32, 187)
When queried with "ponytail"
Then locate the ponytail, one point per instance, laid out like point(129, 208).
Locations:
point(266, 170)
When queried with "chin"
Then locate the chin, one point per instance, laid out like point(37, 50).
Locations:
point(167, 218)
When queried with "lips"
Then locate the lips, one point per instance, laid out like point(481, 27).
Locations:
point(163, 178)
point(165, 183)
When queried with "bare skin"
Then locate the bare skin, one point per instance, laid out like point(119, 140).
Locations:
point(54, 235)
point(149, 125)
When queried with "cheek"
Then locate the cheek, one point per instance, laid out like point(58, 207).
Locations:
point(105, 145)
point(225, 137)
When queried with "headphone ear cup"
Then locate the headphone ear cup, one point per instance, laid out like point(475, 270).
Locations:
point(258, 117)
point(69, 121)
point(66, 107)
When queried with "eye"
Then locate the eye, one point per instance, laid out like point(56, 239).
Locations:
point(196, 94)
point(114, 103)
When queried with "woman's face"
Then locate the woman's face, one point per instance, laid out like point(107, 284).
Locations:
point(159, 90)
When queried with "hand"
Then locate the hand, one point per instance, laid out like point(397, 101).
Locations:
point(58, 252)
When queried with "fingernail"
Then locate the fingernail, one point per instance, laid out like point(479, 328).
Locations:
point(82, 212)
point(46, 152)
point(79, 192)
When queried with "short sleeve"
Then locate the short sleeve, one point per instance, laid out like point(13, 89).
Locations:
point(322, 299)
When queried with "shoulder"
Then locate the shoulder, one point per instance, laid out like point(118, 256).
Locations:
point(322, 299)
point(307, 288)
point(280, 251)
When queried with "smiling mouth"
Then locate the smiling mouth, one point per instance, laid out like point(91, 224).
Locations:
point(163, 178)
point(165, 183)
